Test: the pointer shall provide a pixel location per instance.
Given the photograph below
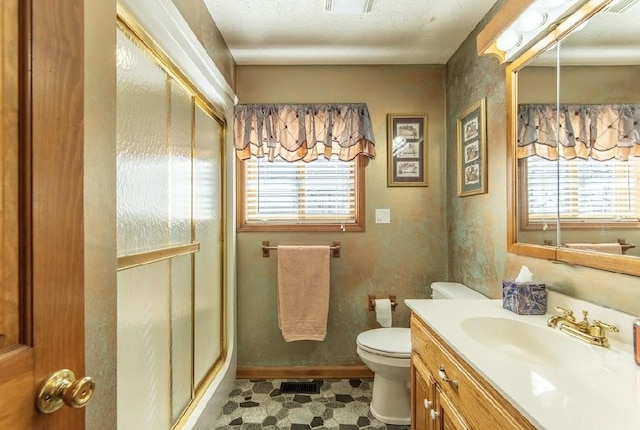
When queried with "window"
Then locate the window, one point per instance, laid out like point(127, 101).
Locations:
point(323, 195)
point(603, 192)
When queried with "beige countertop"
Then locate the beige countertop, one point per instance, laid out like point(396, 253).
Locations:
point(590, 388)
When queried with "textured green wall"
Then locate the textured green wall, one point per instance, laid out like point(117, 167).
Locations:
point(477, 234)
point(400, 258)
point(433, 235)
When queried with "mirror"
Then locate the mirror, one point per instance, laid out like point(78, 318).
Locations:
point(571, 201)
point(537, 164)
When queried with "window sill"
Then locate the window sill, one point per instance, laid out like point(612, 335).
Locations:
point(358, 227)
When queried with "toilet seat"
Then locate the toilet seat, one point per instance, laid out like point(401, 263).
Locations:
point(392, 342)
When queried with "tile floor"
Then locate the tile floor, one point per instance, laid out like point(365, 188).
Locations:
point(342, 404)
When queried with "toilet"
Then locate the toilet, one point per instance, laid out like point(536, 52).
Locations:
point(387, 353)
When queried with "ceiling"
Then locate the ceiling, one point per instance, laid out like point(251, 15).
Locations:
point(611, 37)
point(301, 32)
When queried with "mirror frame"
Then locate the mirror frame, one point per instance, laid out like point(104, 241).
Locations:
point(613, 263)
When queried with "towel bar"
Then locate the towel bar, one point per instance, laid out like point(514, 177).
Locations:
point(335, 248)
point(624, 245)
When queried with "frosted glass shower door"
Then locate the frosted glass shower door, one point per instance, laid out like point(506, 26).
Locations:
point(208, 210)
point(169, 222)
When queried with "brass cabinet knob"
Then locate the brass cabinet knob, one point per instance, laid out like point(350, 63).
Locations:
point(62, 387)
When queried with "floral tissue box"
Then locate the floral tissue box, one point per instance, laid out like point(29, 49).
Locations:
point(524, 298)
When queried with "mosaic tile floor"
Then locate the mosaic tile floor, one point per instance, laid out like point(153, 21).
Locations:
point(342, 404)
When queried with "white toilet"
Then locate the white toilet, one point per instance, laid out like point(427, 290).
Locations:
point(387, 352)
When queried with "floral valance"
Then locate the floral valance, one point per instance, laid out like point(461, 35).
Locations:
point(597, 132)
point(303, 132)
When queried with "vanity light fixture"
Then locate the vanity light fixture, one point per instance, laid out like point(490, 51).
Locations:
point(399, 144)
point(527, 22)
point(533, 20)
point(508, 40)
point(530, 20)
point(348, 7)
point(399, 140)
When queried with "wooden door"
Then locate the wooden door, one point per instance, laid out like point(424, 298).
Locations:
point(42, 286)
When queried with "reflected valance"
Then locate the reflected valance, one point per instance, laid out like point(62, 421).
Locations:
point(597, 132)
point(303, 131)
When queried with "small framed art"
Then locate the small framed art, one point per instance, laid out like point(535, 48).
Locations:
point(407, 153)
point(472, 151)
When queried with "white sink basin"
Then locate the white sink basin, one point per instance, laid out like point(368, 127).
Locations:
point(534, 344)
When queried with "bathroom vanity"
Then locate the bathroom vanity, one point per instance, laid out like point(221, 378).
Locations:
point(478, 366)
point(450, 394)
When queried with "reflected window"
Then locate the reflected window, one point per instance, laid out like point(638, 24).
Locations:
point(591, 191)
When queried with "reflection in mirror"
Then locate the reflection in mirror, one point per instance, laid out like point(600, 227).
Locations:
point(537, 163)
point(584, 168)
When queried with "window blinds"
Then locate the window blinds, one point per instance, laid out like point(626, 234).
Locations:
point(299, 192)
point(605, 191)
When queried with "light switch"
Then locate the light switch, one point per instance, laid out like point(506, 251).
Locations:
point(383, 216)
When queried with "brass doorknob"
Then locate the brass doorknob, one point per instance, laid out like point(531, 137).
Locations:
point(62, 387)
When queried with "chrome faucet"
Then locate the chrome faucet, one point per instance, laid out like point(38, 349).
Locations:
point(590, 332)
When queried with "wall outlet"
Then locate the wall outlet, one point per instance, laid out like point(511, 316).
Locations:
point(383, 216)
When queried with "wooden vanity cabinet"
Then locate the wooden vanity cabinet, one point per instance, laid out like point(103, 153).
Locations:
point(422, 397)
point(447, 394)
point(432, 410)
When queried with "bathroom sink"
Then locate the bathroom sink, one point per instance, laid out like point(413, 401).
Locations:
point(538, 345)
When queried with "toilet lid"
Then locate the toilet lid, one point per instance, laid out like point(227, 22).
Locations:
point(392, 341)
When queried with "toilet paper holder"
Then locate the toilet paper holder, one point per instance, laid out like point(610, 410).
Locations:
point(372, 302)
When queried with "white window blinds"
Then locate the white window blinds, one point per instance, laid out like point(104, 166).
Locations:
point(297, 192)
point(589, 190)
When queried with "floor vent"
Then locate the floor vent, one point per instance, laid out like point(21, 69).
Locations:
point(301, 387)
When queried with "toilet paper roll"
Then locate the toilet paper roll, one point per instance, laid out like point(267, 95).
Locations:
point(383, 312)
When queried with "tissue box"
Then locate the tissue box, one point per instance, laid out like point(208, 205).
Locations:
point(524, 298)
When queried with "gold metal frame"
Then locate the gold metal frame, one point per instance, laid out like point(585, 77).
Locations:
point(486, 39)
point(126, 21)
point(128, 24)
point(139, 259)
point(479, 112)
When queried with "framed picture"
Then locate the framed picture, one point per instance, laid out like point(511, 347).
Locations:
point(472, 151)
point(407, 150)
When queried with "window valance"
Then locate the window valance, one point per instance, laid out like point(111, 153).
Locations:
point(596, 132)
point(303, 131)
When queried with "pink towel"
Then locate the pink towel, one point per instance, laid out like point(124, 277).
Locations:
point(611, 248)
point(303, 292)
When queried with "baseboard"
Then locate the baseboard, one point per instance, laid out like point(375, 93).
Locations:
point(304, 372)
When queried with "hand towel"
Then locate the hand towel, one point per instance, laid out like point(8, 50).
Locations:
point(303, 292)
point(610, 248)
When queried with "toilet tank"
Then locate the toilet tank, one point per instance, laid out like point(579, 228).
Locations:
point(453, 291)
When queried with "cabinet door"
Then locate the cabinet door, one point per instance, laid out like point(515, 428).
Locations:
point(448, 417)
point(423, 400)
